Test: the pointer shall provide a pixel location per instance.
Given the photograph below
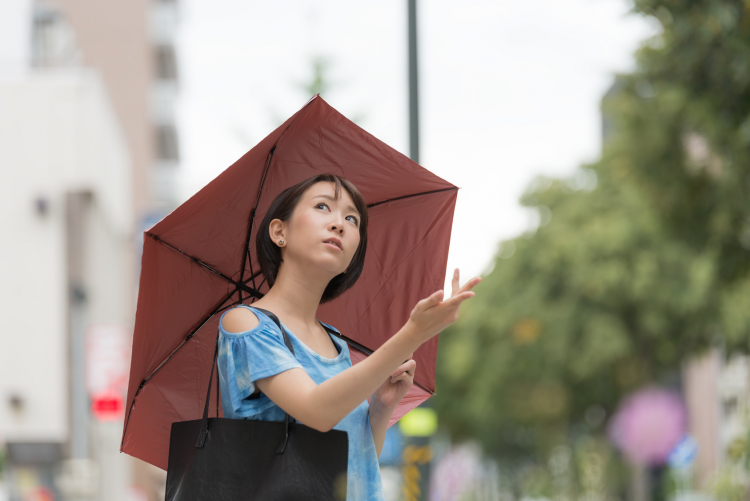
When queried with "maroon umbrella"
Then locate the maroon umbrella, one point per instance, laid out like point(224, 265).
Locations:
point(200, 261)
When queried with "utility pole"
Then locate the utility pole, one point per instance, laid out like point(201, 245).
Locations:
point(413, 84)
point(416, 456)
point(77, 209)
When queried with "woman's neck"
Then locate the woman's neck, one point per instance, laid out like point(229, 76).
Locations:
point(295, 295)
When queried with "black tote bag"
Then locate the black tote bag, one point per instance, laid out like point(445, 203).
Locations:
point(214, 459)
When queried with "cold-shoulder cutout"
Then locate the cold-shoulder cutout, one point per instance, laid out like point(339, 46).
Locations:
point(247, 356)
point(239, 319)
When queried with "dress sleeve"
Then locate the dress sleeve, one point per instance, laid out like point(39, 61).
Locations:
point(246, 357)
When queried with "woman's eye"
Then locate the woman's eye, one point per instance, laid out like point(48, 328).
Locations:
point(354, 218)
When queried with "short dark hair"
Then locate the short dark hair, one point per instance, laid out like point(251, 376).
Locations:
point(269, 254)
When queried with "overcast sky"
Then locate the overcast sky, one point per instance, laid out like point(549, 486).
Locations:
point(509, 90)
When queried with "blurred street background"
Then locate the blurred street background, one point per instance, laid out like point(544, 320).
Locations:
point(602, 148)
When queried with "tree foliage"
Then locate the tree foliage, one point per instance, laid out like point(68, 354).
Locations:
point(623, 280)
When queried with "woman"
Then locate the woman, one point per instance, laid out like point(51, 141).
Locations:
point(311, 248)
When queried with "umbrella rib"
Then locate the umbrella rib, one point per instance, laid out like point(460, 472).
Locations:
point(425, 389)
point(252, 220)
point(252, 277)
point(196, 260)
point(257, 200)
point(238, 285)
point(179, 346)
point(412, 195)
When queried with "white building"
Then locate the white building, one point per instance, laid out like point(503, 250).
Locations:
point(67, 222)
point(88, 159)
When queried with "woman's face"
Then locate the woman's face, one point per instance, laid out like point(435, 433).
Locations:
point(315, 223)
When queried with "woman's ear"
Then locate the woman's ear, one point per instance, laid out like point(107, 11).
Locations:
point(276, 230)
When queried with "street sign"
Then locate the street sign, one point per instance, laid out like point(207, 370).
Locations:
point(107, 358)
point(107, 364)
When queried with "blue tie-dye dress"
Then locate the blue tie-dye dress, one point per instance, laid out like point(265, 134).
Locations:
point(245, 357)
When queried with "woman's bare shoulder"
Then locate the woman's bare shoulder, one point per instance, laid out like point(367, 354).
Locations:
point(239, 319)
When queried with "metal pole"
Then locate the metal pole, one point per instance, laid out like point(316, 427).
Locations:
point(413, 84)
point(417, 453)
point(77, 205)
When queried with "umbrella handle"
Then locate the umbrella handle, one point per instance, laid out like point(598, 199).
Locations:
point(204, 425)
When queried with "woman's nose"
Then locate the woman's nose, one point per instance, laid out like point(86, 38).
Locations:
point(337, 224)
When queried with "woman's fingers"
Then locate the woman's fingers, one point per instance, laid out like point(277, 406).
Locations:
point(430, 301)
point(456, 300)
point(437, 297)
point(406, 366)
point(466, 288)
point(453, 306)
point(470, 284)
point(403, 377)
point(459, 298)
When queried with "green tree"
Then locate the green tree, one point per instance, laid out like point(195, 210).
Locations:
point(319, 83)
point(621, 282)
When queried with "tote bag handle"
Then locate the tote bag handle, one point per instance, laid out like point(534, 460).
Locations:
point(204, 425)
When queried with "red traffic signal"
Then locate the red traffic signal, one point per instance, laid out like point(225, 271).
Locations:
point(107, 406)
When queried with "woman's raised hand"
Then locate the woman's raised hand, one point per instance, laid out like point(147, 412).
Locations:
point(431, 315)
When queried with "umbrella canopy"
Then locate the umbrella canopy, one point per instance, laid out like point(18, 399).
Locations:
point(200, 260)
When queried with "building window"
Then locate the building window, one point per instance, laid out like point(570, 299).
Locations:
point(166, 142)
point(166, 62)
point(52, 39)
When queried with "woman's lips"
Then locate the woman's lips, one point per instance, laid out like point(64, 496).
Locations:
point(332, 245)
